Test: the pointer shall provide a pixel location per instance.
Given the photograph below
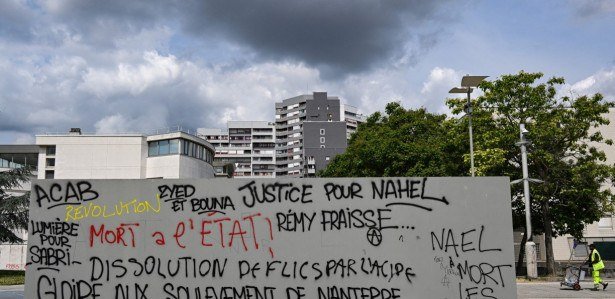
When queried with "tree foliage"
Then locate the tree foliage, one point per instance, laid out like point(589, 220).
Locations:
point(13, 208)
point(401, 143)
point(564, 150)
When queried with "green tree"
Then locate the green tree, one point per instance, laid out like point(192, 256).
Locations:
point(13, 208)
point(564, 135)
point(401, 143)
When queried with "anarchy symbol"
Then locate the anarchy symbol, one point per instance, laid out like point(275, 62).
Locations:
point(374, 236)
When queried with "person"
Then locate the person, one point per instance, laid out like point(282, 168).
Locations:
point(595, 261)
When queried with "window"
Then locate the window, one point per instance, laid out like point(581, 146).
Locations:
point(152, 149)
point(16, 160)
point(50, 150)
point(4, 163)
point(50, 162)
point(184, 147)
point(49, 174)
point(174, 146)
point(322, 131)
point(322, 139)
point(163, 147)
point(191, 149)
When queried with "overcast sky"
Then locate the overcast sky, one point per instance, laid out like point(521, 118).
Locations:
point(133, 66)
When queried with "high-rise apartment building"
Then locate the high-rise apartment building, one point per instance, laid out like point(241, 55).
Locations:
point(249, 146)
point(351, 115)
point(310, 131)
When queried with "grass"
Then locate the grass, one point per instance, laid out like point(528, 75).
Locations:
point(12, 277)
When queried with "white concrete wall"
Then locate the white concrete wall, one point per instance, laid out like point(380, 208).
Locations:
point(95, 157)
point(13, 256)
point(194, 168)
point(178, 167)
point(163, 167)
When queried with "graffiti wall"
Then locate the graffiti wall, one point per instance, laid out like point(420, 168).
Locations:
point(377, 238)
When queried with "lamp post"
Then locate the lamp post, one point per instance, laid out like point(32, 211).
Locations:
point(530, 246)
point(467, 82)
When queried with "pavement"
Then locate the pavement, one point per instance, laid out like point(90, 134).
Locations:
point(525, 290)
point(539, 290)
point(11, 292)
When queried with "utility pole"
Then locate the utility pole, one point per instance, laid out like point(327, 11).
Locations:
point(530, 246)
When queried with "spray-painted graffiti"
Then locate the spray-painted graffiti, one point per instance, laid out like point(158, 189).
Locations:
point(377, 238)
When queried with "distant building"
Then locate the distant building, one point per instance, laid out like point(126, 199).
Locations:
point(352, 118)
point(246, 147)
point(13, 256)
point(310, 131)
point(124, 156)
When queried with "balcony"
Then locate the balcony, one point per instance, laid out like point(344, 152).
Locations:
point(285, 118)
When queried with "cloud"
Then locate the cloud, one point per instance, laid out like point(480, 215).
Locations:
point(16, 21)
point(602, 82)
point(139, 93)
point(440, 79)
point(337, 37)
point(590, 8)
point(435, 90)
point(133, 79)
point(116, 123)
point(101, 23)
point(130, 66)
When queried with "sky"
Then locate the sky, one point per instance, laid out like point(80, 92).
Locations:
point(119, 66)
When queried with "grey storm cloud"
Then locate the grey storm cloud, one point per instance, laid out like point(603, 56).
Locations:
point(591, 8)
point(114, 64)
point(15, 22)
point(336, 36)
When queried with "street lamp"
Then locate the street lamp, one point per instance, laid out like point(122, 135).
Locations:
point(530, 246)
point(467, 82)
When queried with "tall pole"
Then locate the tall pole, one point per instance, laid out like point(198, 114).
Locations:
point(530, 246)
point(526, 182)
point(469, 113)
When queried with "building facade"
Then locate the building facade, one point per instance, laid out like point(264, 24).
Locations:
point(13, 256)
point(248, 146)
point(310, 131)
point(172, 155)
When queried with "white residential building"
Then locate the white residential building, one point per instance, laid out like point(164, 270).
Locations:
point(247, 145)
point(124, 156)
